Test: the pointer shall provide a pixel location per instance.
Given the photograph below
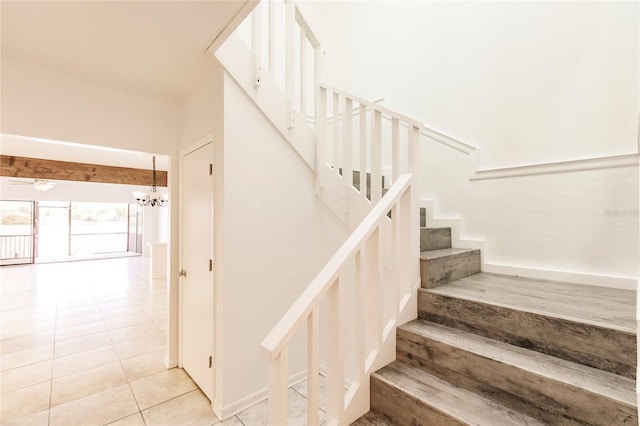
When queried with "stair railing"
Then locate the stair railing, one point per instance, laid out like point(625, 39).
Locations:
point(378, 263)
point(362, 135)
point(363, 251)
point(302, 52)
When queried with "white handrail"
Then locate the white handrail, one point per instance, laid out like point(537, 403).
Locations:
point(310, 297)
point(374, 106)
point(363, 250)
point(336, 148)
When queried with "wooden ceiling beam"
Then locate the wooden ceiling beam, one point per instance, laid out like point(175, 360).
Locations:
point(36, 168)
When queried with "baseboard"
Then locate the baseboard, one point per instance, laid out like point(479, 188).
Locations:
point(170, 363)
point(216, 406)
point(234, 408)
point(622, 283)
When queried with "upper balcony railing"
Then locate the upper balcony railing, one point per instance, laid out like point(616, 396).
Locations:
point(298, 70)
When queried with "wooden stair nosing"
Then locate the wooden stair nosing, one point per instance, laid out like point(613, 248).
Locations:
point(536, 384)
point(607, 349)
point(423, 396)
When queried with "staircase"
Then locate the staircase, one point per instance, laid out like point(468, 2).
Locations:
point(484, 349)
point(490, 349)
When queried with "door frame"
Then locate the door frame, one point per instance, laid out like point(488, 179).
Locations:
point(199, 143)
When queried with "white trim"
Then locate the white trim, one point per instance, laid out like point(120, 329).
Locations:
point(231, 26)
point(456, 144)
point(242, 404)
point(629, 160)
point(170, 363)
point(216, 406)
point(622, 283)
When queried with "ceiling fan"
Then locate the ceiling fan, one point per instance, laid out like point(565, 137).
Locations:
point(38, 184)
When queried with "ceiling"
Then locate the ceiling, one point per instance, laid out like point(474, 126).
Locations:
point(154, 46)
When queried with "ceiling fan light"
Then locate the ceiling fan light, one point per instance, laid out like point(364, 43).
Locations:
point(42, 185)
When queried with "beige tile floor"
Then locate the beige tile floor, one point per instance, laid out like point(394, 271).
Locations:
point(83, 343)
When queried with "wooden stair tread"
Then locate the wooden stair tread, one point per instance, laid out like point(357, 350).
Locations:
point(611, 386)
point(436, 254)
point(599, 306)
point(451, 400)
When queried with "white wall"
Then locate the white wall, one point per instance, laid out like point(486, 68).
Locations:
point(526, 82)
point(579, 226)
point(271, 240)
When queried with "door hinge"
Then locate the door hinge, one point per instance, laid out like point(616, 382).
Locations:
point(182, 273)
point(211, 264)
point(210, 169)
point(210, 361)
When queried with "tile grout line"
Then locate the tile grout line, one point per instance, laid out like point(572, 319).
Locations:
point(121, 367)
point(53, 356)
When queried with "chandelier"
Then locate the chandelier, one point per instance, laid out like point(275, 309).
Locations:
point(152, 198)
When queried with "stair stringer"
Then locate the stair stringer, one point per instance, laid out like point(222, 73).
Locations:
point(240, 63)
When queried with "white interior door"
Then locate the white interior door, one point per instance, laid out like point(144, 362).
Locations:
point(197, 286)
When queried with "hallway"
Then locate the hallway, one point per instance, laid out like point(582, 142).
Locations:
point(83, 343)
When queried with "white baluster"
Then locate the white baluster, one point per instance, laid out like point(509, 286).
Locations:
point(413, 142)
point(335, 367)
point(256, 33)
point(290, 20)
point(397, 284)
point(405, 233)
point(363, 150)
point(321, 130)
point(336, 132)
point(414, 163)
point(313, 378)
point(395, 149)
point(376, 157)
point(360, 294)
point(278, 389)
point(272, 37)
point(303, 71)
point(347, 142)
point(317, 75)
point(373, 264)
